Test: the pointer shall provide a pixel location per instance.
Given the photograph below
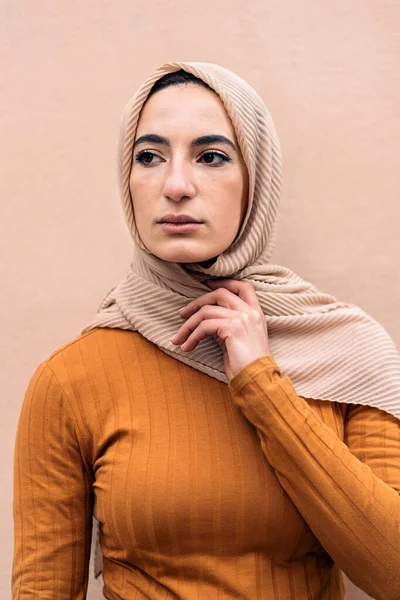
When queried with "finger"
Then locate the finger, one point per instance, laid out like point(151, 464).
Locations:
point(206, 312)
point(210, 327)
point(243, 289)
point(219, 297)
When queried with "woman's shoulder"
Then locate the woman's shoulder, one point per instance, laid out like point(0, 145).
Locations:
point(100, 347)
point(99, 335)
point(87, 371)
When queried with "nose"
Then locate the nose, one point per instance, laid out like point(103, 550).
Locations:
point(179, 184)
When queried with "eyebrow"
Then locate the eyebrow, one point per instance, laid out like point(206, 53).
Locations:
point(204, 140)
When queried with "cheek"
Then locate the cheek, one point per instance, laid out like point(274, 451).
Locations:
point(232, 193)
point(142, 193)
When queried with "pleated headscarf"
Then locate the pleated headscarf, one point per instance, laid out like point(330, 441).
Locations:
point(330, 350)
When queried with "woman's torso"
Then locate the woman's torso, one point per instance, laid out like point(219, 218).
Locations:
point(189, 506)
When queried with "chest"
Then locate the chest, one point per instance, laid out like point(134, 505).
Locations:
point(179, 469)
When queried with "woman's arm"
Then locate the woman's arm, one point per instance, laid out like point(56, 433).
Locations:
point(52, 497)
point(348, 494)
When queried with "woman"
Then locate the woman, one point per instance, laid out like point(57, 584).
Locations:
point(234, 430)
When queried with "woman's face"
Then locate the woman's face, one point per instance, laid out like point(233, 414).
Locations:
point(176, 174)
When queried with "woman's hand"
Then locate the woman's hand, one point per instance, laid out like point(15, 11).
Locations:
point(231, 314)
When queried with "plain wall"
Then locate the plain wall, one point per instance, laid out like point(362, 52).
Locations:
point(328, 71)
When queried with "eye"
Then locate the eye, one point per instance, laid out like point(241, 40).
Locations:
point(144, 158)
point(210, 154)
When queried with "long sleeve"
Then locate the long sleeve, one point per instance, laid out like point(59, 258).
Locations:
point(348, 493)
point(52, 497)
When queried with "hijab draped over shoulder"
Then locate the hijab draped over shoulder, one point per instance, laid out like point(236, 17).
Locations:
point(330, 350)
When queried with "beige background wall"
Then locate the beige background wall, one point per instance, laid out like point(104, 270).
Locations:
point(328, 72)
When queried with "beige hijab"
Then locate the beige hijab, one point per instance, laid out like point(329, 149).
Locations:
point(330, 350)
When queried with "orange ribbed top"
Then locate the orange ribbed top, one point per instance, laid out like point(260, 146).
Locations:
point(203, 490)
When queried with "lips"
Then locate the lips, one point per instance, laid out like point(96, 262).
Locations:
point(179, 224)
point(178, 219)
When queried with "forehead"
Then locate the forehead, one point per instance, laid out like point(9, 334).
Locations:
point(189, 106)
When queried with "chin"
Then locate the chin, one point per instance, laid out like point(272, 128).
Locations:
point(180, 257)
point(184, 255)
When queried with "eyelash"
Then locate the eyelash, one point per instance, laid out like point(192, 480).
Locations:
point(141, 153)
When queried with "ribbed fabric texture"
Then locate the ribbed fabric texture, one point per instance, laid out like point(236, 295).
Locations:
point(331, 350)
point(203, 490)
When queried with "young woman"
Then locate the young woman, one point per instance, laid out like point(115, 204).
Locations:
point(235, 432)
